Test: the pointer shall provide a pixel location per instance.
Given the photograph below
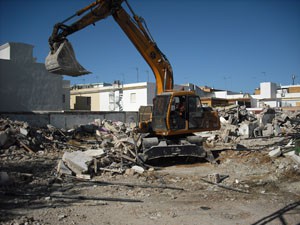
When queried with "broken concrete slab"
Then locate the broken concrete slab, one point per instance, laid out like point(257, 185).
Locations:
point(275, 153)
point(77, 161)
point(96, 153)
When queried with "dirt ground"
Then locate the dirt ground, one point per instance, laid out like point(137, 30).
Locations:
point(253, 189)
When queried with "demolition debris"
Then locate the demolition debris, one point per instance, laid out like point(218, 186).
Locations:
point(107, 146)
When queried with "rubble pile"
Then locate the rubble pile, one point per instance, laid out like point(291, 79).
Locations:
point(114, 150)
point(236, 121)
point(17, 136)
point(101, 146)
point(87, 150)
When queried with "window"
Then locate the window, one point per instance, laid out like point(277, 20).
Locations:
point(133, 98)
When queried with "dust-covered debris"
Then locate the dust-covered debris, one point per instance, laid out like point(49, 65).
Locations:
point(238, 124)
point(107, 146)
point(34, 176)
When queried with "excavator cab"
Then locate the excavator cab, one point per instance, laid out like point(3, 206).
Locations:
point(181, 113)
point(62, 61)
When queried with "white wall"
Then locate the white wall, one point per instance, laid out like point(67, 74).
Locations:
point(220, 94)
point(104, 101)
point(227, 95)
point(268, 90)
point(140, 99)
point(144, 93)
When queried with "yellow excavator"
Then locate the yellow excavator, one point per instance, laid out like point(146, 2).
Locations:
point(176, 115)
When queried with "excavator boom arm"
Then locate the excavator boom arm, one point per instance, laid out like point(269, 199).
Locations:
point(133, 27)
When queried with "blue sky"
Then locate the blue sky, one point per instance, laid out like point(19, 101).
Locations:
point(225, 44)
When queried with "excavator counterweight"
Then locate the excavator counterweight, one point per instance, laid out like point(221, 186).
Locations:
point(63, 61)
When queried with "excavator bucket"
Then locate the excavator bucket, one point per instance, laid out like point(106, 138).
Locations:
point(63, 61)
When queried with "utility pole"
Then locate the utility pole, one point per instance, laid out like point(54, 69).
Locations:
point(293, 78)
point(147, 71)
point(137, 74)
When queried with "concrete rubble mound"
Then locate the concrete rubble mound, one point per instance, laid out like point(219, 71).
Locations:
point(87, 150)
point(237, 123)
point(107, 146)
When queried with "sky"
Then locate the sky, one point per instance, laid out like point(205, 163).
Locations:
point(225, 44)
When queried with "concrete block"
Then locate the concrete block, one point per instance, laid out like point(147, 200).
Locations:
point(23, 131)
point(268, 131)
point(138, 169)
point(247, 129)
point(77, 161)
point(275, 153)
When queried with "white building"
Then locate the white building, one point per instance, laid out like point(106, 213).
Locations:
point(290, 95)
point(127, 97)
point(26, 85)
point(276, 95)
point(115, 97)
